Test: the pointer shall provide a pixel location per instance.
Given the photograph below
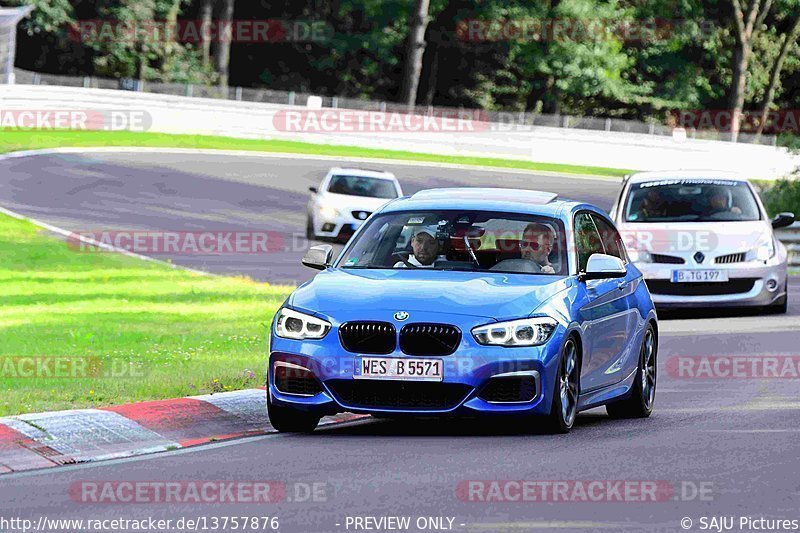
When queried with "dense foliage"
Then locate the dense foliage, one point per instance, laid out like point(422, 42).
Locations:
point(616, 58)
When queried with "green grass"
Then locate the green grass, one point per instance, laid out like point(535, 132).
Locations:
point(14, 139)
point(163, 332)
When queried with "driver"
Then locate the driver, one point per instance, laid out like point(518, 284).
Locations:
point(425, 247)
point(536, 246)
point(719, 204)
point(652, 206)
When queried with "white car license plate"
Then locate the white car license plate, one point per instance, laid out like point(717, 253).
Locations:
point(699, 276)
point(398, 368)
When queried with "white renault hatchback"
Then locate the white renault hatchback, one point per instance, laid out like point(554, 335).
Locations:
point(345, 199)
point(703, 239)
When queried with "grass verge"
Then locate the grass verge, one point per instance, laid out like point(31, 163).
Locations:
point(120, 329)
point(13, 140)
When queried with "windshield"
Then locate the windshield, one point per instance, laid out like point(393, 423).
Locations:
point(362, 186)
point(691, 200)
point(460, 240)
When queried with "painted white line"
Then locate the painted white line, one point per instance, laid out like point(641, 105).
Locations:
point(290, 155)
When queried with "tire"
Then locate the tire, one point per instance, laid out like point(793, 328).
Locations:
point(639, 404)
point(288, 420)
point(566, 390)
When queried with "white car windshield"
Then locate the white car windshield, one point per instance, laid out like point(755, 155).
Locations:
point(461, 240)
point(362, 186)
point(690, 200)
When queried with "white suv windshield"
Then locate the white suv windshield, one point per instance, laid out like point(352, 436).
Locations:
point(362, 186)
point(690, 200)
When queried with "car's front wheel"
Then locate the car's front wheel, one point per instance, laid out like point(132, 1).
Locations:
point(288, 420)
point(643, 394)
point(564, 405)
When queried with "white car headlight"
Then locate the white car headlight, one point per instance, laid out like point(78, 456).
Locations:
point(291, 324)
point(765, 250)
point(639, 256)
point(329, 212)
point(524, 332)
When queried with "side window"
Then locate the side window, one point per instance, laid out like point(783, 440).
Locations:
point(612, 242)
point(587, 239)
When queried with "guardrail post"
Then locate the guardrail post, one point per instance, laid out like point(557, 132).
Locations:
point(238, 94)
point(37, 78)
point(189, 89)
point(335, 102)
point(652, 129)
point(383, 107)
point(292, 97)
point(87, 82)
point(608, 124)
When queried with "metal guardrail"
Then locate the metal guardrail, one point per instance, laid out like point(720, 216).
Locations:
point(791, 238)
point(294, 98)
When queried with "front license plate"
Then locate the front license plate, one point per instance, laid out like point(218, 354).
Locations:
point(699, 276)
point(398, 368)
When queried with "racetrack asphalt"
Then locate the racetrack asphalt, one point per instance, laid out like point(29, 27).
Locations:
point(727, 446)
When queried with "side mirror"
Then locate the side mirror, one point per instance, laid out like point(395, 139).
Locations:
point(313, 189)
point(318, 257)
point(782, 220)
point(602, 266)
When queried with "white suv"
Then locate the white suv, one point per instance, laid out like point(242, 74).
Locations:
point(345, 199)
point(703, 239)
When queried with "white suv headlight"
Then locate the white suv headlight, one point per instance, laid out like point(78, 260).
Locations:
point(639, 256)
point(524, 332)
point(329, 212)
point(765, 250)
point(291, 324)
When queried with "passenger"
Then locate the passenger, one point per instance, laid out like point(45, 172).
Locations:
point(425, 247)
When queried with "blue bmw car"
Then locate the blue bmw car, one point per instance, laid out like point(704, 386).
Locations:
point(468, 302)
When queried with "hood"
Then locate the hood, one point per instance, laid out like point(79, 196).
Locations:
point(712, 238)
point(346, 201)
point(478, 294)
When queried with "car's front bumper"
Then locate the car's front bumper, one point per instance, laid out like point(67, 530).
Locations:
point(751, 284)
point(341, 227)
point(466, 373)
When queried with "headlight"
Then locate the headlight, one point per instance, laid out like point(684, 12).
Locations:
point(639, 256)
point(523, 332)
point(765, 250)
point(291, 324)
point(328, 211)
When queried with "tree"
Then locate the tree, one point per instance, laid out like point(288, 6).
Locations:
point(748, 24)
point(223, 57)
point(206, 18)
point(789, 40)
point(414, 52)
